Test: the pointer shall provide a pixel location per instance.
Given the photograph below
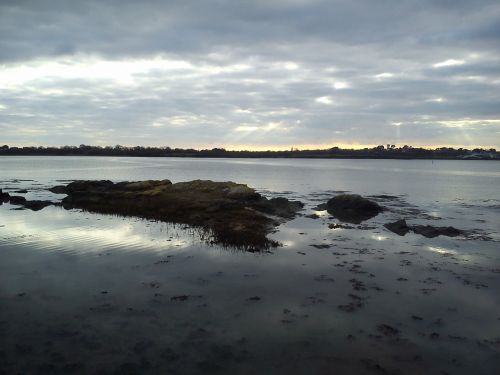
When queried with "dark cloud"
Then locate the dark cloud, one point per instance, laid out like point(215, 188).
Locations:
point(251, 73)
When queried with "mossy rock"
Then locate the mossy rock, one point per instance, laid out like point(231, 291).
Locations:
point(234, 214)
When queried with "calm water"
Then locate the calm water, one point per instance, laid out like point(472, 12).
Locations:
point(88, 293)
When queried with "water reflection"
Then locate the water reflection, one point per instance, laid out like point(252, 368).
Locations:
point(56, 228)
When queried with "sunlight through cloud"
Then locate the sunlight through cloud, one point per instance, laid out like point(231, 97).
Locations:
point(450, 62)
point(325, 100)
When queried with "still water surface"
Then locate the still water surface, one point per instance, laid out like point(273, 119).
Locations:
point(88, 293)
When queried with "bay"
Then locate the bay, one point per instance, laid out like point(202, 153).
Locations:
point(89, 293)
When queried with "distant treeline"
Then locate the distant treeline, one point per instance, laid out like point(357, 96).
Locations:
point(379, 152)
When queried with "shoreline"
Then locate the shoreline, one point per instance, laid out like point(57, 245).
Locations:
point(193, 156)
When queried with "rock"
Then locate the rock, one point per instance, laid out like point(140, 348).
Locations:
point(4, 197)
point(281, 207)
point(339, 226)
point(34, 205)
point(241, 192)
point(59, 189)
point(37, 205)
point(312, 216)
point(321, 246)
point(352, 208)
point(17, 200)
point(431, 232)
point(229, 213)
point(399, 227)
point(85, 186)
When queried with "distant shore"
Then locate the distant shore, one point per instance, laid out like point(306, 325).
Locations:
point(379, 152)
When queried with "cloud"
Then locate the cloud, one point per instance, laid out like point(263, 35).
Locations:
point(218, 73)
point(325, 100)
point(449, 62)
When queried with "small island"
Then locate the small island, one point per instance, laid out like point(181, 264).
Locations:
point(228, 213)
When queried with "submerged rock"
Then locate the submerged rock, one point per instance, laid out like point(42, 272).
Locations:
point(233, 214)
point(34, 205)
point(431, 232)
point(399, 227)
point(352, 208)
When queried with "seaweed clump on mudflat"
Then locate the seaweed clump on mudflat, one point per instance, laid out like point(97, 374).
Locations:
point(234, 214)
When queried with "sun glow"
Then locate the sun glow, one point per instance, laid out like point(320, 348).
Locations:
point(450, 62)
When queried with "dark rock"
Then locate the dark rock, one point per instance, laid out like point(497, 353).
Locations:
point(352, 208)
point(340, 226)
point(4, 197)
point(399, 227)
point(59, 189)
point(431, 232)
point(17, 200)
point(312, 216)
point(321, 246)
point(281, 207)
point(37, 205)
point(21, 191)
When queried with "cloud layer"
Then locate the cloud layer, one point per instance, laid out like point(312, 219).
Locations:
point(250, 74)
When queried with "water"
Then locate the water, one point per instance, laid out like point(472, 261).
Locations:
point(88, 293)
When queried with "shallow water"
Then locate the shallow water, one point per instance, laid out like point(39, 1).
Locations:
point(88, 293)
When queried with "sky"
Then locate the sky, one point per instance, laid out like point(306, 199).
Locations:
point(260, 74)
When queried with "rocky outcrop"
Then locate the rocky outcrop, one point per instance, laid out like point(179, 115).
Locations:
point(352, 208)
point(233, 214)
point(401, 228)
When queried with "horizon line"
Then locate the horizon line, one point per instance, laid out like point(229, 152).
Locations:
point(290, 148)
